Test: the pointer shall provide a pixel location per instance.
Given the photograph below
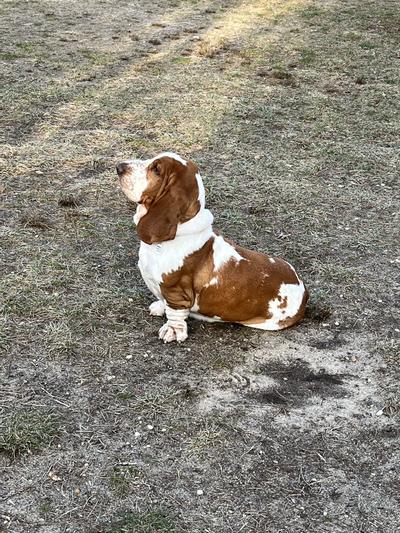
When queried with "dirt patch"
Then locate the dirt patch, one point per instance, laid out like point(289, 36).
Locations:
point(297, 383)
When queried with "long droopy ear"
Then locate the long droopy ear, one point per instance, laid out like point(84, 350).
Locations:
point(175, 202)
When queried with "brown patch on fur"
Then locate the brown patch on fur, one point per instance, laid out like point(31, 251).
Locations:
point(243, 291)
point(171, 198)
point(283, 303)
point(180, 288)
point(245, 287)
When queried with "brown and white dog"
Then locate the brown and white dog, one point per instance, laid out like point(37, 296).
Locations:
point(194, 271)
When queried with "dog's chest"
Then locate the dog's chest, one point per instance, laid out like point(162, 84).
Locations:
point(156, 260)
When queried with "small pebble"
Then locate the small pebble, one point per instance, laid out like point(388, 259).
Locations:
point(200, 492)
point(149, 426)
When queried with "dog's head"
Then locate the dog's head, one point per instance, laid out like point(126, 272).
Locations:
point(168, 189)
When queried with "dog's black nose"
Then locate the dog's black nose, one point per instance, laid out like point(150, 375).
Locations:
point(121, 168)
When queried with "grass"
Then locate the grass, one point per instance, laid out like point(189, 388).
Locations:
point(122, 479)
point(27, 431)
point(290, 110)
point(145, 523)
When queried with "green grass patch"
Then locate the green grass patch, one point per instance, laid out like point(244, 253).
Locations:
point(307, 56)
point(10, 56)
point(26, 431)
point(149, 522)
point(311, 12)
point(181, 60)
point(96, 58)
point(367, 45)
point(123, 478)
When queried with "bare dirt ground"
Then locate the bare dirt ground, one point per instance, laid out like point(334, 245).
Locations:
point(290, 108)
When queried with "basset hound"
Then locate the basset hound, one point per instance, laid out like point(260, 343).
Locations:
point(192, 270)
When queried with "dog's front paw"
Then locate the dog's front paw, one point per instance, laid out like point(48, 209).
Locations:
point(170, 333)
point(157, 308)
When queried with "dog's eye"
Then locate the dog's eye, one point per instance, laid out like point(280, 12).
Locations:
point(157, 169)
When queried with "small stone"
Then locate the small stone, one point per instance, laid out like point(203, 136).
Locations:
point(149, 426)
point(129, 356)
point(53, 476)
point(199, 492)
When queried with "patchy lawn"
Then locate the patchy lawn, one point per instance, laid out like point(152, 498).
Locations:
point(290, 108)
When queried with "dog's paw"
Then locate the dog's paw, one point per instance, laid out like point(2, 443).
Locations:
point(168, 333)
point(157, 308)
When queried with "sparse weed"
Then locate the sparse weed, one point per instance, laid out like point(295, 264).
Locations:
point(26, 431)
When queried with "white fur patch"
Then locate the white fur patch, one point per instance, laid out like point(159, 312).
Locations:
point(290, 293)
point(172, 155)
point(202, 193)
point(223, 252)
point(140, 212)
point(135, 183)
point(213, 281)
point(157, 308)
point(204, 318)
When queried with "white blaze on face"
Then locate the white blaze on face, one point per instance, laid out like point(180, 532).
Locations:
point(134, 181)
point(172, 155)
